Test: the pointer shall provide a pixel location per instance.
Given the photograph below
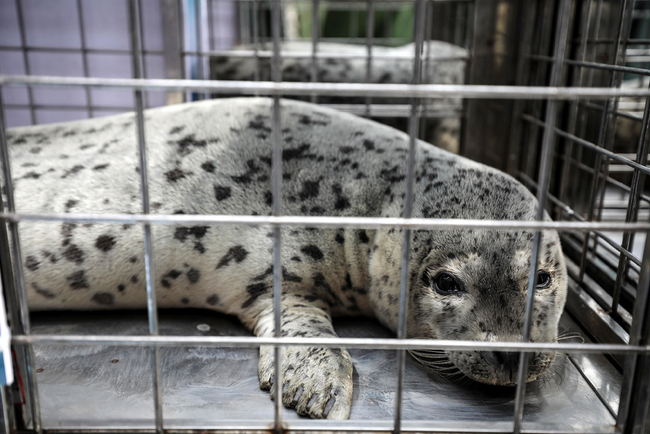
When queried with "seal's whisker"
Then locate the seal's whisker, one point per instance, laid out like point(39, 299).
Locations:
point(570, 335)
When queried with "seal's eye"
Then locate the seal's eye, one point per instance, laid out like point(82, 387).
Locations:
point(543, 279)
point(446, 284)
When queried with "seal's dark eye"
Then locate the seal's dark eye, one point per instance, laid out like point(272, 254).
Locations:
point(446, 284)
point(543, 279)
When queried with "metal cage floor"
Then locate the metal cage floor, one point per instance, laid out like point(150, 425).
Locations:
point(103, 387)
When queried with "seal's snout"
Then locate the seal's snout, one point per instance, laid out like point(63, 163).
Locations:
point(505, 363)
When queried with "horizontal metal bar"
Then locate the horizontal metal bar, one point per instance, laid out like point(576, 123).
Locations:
point(78, 50)
point(383, 426)
point(407, 55)
point(590, 145)
point(370, 343)
point(67, 107)
point(604, 66)
point(376, 110)
point(325, 222)
point(335, 89)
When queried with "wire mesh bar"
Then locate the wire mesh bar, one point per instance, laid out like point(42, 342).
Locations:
point(418, 36)
point(599, 150)
point(548, 139)
point(569, 212)
point(335, 89)
point(635, 337)
point(23, 43)
point(370, 34)
point(134, 29)
point(577, 78)
point(632, 205)
point(247, 53)
point(24, 324)
point(84, 57)
point(329, 342)
point(314, 45)
point(198, 27)
point(276, 189)
point(623, 25)
point(256, 42)
point(118, 51)
point(329, 222)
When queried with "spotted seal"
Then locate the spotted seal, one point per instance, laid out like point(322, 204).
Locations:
point(443, 63)
point(214, 157)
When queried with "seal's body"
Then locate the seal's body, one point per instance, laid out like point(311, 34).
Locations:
point(214, 157)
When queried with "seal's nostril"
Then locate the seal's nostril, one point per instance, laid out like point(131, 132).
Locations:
point(502, 360)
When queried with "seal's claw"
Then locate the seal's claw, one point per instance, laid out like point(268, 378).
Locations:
point(317, 382)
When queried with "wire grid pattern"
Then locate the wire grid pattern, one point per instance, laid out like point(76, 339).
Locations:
point(538, 99)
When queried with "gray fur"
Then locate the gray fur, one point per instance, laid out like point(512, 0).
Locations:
point(214, 157)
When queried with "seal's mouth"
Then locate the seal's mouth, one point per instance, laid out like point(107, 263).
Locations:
point(487, 367)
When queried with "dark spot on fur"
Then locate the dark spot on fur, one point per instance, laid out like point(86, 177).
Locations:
point(221, 193)
point(193, 275)
point(208, 166)
point(75, 169)
point(104, 298)
point(369, 145)
point(32, 263)
point(213, 300)
point(176, 174)
point(183, 232)
point(43, 292)
point(312, 251)
point(74, 254)
point(105, 242)
point(77, 280)
point(134, 278)
point(176, 130)
point(363, 236)
point(121, 287)
point(254, 292)
point(185, 300)
point(238, 253)
point(101, 166)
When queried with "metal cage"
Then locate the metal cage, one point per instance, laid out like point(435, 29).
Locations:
point(555, 93)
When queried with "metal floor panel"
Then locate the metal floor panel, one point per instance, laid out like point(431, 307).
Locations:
point(110, 387)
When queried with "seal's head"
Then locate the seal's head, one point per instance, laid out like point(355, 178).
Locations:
point(472, 284)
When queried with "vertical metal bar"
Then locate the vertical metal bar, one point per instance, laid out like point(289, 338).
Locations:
point(11, 297)
point(256, 43)
point(314, 45)
point(526, 30)
point(428, 24)
point(19, 276)
point(573, 110)
point(640, 321)
point(198, 27)
point(276, 187)
point(418, 36)
point(84, 58)
point(172, 46)
point(209, 11)
point(632, 205)
point(7, 417)
point(624, 21)
point(136, 48)
point(548, 139)
point(23, 49)
point(370, 34)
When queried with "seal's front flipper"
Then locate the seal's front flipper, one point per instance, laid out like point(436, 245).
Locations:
point(317, 382)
